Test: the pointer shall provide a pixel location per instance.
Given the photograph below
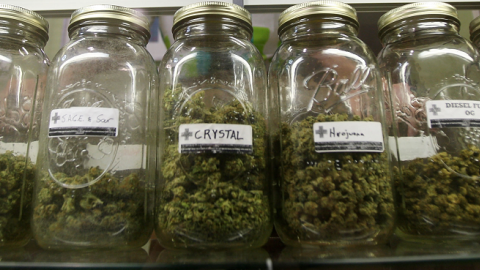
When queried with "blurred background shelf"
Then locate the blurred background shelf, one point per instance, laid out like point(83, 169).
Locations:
point(152, 7)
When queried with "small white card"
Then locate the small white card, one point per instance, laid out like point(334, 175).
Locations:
point(215, 138)
point(453, 113)
point(411, 148)
point(84, 121)
point(348, 136)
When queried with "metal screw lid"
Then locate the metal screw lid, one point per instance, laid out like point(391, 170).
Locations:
point(110, 12)
point(474, 28)
point(212, 8)
point(325, 7)
point(25, 16)
point(415, 10)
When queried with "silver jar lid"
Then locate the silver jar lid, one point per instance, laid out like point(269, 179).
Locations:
point(24, 15)
point(212, 8)
point(416, 10)
point(110, 12)
point(323, 7)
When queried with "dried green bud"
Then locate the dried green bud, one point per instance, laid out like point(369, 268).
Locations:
point(16, 185)
point(332, 196)
point(112, 209)
point(212, 197)
point(440, 195)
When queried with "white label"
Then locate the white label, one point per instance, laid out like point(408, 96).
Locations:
point(348, 136)
point(136, 154)
point(84, 121)
point(215, 138)
point(453, 113)
point(411, 148)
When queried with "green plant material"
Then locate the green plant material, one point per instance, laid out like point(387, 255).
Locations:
point(440, 195)
point(333, 196)
point(212, 198)
point(111, 209)
point(15, 210)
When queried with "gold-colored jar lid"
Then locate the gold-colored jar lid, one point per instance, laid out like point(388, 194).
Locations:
point(474, 27)
point(324, 7)
point(416, 10)
point(110, 12)
point(212, 8)
point(25, 16)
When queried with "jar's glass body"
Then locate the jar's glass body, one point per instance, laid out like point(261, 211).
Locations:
point(323, 75)
point(23, 73)
point(476, 40)
point(432, 75)
point(95, 167)
point(213, 86)
point(476, 43)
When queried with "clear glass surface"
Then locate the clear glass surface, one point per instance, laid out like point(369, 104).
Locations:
point(425, 61)
point(23, 72)
point(214, 197)
point(475, 40)
point(323, 74)
point(274, 255)
point(95, 190)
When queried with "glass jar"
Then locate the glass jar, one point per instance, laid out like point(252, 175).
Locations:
point(213, 189)
point(475, 31)
point(432, 76)
point(335, 182)
point(23, 73)
point(94, 181)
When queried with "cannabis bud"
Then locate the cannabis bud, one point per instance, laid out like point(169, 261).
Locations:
point(16, 185)
point(440, 195)
point(210, 197)
point(329, 197)
point(110, 210)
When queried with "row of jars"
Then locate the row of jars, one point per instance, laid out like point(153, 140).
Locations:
point(336, 146)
